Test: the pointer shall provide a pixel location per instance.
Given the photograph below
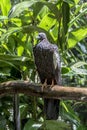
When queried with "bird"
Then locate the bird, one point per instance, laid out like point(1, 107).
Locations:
point(47, 61)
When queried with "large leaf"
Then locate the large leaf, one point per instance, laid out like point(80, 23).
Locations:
point(39, 9)
point(69, 1)
point(65, 70)
point(79, 64)
point(5, 64)
point(31, 125)
point(5, 6)
point(20, 7)
point(82, 127)
point(54, 9)
point(9, 32)
point(14, 61)
point(82, 12)
point(76, 35)
point(55, 125)
point(13, 58)
point(47, 22)
point(77, 68)
point(3, 18)
point(69, 113)
point(66, 15)
point(2, 123)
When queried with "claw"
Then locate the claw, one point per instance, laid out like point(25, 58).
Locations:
point(44, 85)
point(52, 83)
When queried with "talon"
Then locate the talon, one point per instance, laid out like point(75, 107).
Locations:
point(44, 85)
point(52, 83)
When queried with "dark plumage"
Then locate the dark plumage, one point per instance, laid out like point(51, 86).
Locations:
point(47, 61)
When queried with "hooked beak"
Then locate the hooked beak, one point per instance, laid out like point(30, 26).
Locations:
point(38, 37)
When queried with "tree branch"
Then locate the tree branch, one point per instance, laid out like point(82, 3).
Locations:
point(56, 92)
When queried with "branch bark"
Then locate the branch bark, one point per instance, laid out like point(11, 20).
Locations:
point(56, 92)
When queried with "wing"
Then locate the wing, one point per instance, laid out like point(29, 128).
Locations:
point(47, 61)
point(39, 62)
point(57, 65)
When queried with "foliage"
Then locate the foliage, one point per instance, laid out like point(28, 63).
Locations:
point(64, 22)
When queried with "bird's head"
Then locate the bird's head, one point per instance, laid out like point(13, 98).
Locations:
point(41, 36)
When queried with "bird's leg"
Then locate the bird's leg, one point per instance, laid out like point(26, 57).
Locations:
point(44, 85)
point(52, 84)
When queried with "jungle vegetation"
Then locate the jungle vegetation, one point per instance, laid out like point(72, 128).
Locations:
point(65, 24)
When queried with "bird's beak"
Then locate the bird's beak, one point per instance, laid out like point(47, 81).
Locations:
point(38, 37)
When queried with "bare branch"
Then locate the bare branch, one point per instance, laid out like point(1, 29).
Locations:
point(57, 92)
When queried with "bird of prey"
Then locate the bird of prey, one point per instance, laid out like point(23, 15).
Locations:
point(47, 61)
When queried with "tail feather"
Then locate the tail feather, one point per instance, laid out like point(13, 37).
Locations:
point(51, 108)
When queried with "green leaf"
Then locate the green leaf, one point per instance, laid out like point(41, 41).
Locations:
point(9, 32)
point(20, 7)
point(79, 64)
point(83, 12)
point(73, 2)
point(2, 122)
point(66, 15)
point(5, 63)
point(70, 1)
point(76, 1)
point(78, 70)
point(54, 9)
point(39, 9)
point(20, 50)
point(55, 125)
point(23, 111)
point(5, 6)
point(13, 58)
point(76, 35)
point(54, 32)
point(3, 18)
point(65, 70)
point(47, 22)
point(31, 125)
point(82, 127)
point(69, 113)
